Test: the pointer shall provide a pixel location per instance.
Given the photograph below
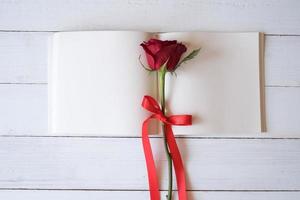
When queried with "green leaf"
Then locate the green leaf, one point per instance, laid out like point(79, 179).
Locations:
point(192, 55)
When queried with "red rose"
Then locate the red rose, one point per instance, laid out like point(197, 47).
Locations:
point(160, 52)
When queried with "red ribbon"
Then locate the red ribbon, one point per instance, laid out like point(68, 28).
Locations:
point(151, 105)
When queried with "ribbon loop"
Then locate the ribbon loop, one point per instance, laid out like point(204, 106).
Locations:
point(151, 105)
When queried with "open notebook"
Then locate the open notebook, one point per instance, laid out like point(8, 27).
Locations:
point(96, 83)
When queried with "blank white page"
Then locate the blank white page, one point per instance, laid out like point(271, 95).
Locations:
point(96, 83)
point(220, 87)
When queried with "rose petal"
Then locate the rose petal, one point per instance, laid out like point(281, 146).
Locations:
point(158, 52)
point(155, 45)
point(163, 55)
point(175, 56)
point(149, 56)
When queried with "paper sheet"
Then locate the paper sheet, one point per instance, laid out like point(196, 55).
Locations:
point(220, 87)
point(96, 84)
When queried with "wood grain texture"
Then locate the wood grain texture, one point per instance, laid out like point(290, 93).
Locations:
point(23, 110)
point(118, 163)
point(283, 110)
point(139, 195)
point(275, 17)
point(282, 63)
point(24, 58)
point(256, 169)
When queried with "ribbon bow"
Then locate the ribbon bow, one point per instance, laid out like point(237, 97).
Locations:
point(152, 106)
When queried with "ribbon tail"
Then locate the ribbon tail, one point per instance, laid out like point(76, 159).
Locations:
point(151, 169)
point(177, 161)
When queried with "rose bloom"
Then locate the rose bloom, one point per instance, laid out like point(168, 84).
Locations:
point(160, 52)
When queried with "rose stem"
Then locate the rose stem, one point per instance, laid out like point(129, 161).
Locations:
point(161, 78)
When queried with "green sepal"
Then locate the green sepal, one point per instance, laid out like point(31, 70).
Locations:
point(191, 55)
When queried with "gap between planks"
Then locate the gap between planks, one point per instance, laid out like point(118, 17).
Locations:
point(266, 137)
point(138, 190)
point(28, 83)
point(32, 31)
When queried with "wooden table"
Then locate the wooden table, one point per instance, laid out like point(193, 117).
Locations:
point(35, 165)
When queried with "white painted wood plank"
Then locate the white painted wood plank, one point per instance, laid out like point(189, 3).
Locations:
point(140, 195)
point(282, 63)
point(24, 58)
point(270, 16)
point(102, 163)
point(283, 109)
point(23, 110)
point(95, 163)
